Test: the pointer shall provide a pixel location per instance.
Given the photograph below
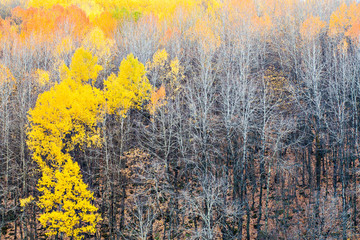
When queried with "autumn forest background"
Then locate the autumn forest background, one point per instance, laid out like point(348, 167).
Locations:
point(170, 119)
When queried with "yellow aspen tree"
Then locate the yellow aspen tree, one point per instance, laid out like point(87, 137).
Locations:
point(166, 73)
point(99, 45)
point(6, 77)
point(43, 77)
point(129, 89)
point(65, 117)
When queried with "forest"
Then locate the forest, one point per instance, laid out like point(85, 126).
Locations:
point(179, 119)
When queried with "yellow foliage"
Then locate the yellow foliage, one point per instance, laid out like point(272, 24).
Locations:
point(169, 73)
point(275, 81)
point(97, 43)
point(205, 33)
point(64, 117)
point(90, 7)
point(129, 89)
point(43, 77)
point(25, 201)
point(66, 46)
point(277, 86)
point(6, 76)
point(159, 59)
point(65, 188)
point(163, 9)
point(83, 67)
point(106, 22)
point(263, 24)
point(7, 83)
point(175, 67)
point(175, 75)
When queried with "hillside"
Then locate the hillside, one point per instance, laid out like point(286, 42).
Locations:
point(169, 119)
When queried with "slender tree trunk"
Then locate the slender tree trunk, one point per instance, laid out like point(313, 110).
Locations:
point(267, 197)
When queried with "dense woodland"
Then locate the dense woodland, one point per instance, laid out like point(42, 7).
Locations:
point(197, 119)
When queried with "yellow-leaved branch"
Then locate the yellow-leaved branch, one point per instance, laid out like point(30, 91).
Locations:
point(65, 119)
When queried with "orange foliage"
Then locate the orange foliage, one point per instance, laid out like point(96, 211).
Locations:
point(75, 19)
point(312, 27)
point(47, 24)
point(7, 31)
point(262, 24)
point(170, 33)
point(354, 14)
point(106, 23)
point(157, 99)
point(346, 21)
point(2, 22)
point(35, 22)
point(339, 20)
